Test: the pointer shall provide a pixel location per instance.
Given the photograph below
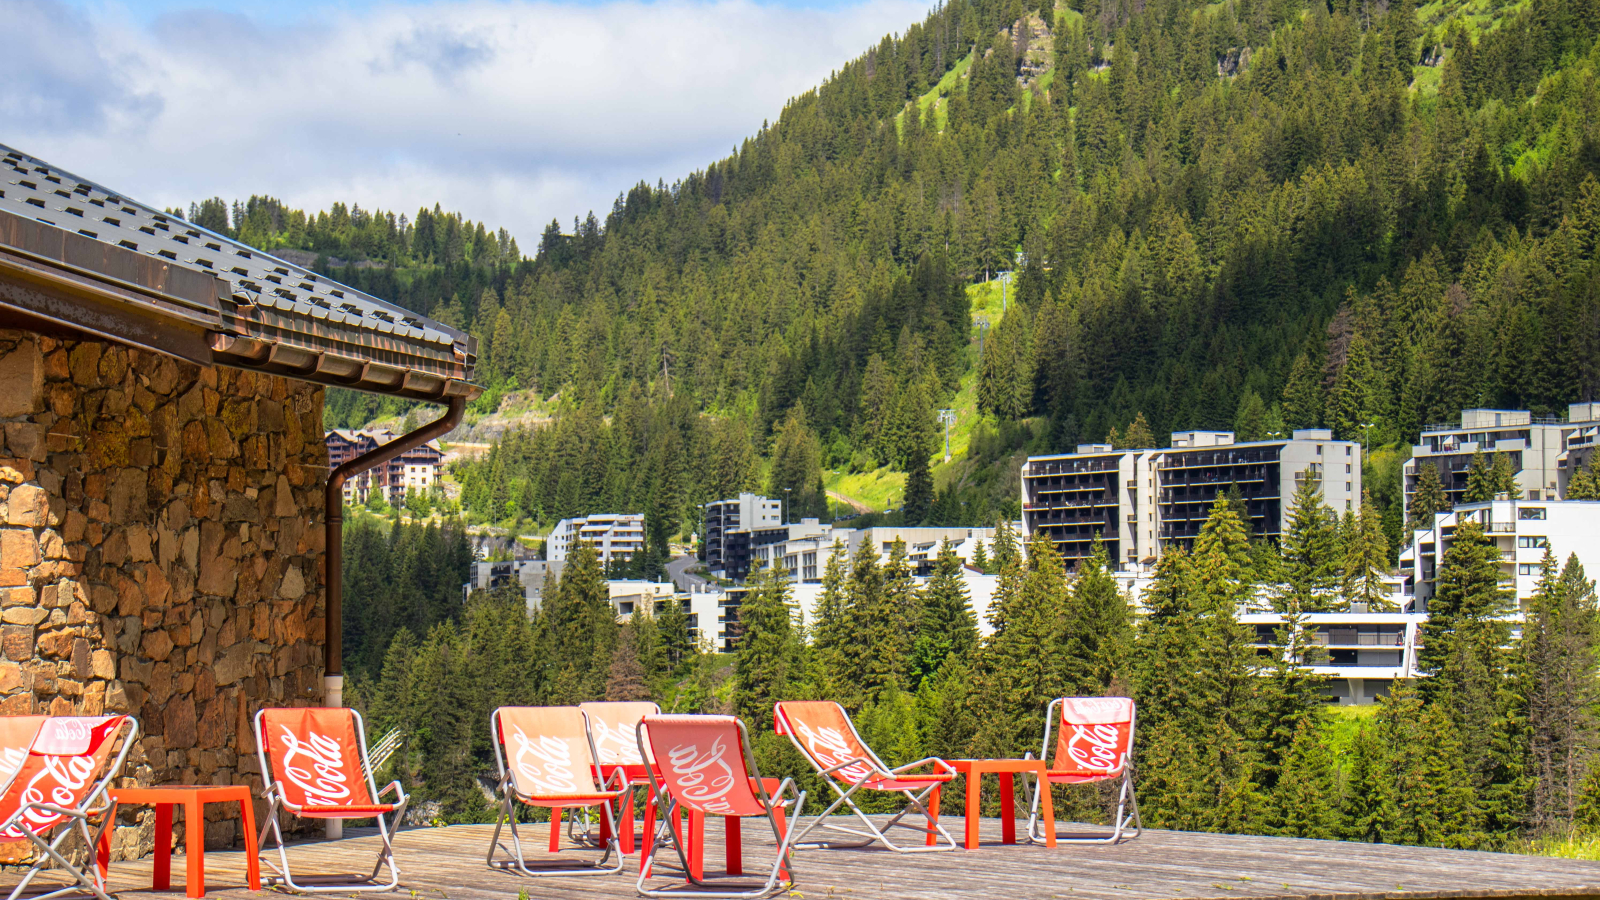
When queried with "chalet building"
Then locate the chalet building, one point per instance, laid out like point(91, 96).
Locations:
point(415, 470)
point(164, 548)
point(1544, 452)
point(1140, 501)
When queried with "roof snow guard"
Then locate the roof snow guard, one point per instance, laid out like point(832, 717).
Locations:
point(74, 255)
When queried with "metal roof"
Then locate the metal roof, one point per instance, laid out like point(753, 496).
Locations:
point(77, 255)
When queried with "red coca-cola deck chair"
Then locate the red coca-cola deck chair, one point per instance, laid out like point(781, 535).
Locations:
point(703, 765)
point(1094, 742)
point(314, 765)
point(824, 734)
point(546, 758)
point(57, 787)
point(612, 728)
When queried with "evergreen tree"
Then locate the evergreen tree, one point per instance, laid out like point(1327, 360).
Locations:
point(919, 494)
point(1366, 555)
point(1302, 395)
point(769, 660)
point(1481, 481)
point(1138, 435)
point(947, 626)
point(1023, 663)
point(1428, 498)
point(626, 678)
point(1305, 802)
point(1099, 627)
point(1308, 550)
point(1560, 688)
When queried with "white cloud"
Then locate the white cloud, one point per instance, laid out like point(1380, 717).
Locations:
point(512, 112)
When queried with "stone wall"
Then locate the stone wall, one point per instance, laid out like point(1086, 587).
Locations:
point(160, 554)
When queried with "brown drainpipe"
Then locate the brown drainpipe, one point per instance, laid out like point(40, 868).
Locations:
point(333, 638)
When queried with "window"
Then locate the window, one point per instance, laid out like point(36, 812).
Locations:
point(1347, 487)
point(1536, 512)
point(1347, 453)
point(1528, 569)
point(1347, 505)
point(1533, 541)
point(1347, 468)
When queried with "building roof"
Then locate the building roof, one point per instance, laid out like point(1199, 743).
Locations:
point(83, 259)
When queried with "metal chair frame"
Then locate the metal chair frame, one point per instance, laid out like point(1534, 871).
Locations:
point(507, 814)
point(915, 802)
point(668, 806)
point(1126, 800)
point(272, 790)
point(77, 823)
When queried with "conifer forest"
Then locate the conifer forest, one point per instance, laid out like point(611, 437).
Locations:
point(1248, 215)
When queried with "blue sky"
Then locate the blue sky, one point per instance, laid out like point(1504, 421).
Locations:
point(514, 112)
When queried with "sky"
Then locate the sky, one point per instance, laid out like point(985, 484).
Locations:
point(512, 112)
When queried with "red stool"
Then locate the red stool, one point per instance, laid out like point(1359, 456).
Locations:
point(194, 798)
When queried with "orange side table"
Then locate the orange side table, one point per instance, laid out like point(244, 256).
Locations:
point(975, 769)
point(194, 798)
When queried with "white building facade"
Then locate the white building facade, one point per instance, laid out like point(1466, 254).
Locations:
point(614, 536)
point(1520, 529)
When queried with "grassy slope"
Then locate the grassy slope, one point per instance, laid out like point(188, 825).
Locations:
point(878, 487)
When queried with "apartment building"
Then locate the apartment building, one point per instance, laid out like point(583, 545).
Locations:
point(1360, 654)
point(418, 469)
point(745, 549)
point(1521, 530)
point(746, 512)
point(1543, 451)
point(614, 536)
point(1140, 501)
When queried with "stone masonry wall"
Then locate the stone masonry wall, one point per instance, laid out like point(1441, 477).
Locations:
point(160, 554)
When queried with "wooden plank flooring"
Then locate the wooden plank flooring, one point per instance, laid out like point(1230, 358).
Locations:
point(448, 863)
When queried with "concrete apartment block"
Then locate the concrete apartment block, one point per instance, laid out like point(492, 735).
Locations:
point(1139, 501)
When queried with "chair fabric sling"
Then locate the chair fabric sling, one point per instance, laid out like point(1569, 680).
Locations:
point(611, 728)
point(1094, 742)
point(314, 766)
point(825, 736)
point(703, 765)
point(546, 758)
point(57, 786)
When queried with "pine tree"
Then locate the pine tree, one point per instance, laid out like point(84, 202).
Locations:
point(1138, 435)
point(1480, 480)
point(980, 557)
point(947, 626)
point(1305, 802)
point(677, 645)
point(626, 678)
point(1504, 478)
point(1023, 663)
point(1302, 395)
point(1560, 688)
point(1366, 555)
point(1099, 627)
point(919, 494)
point(1250, 421)
point(1308, 549)
point(1428, 498)
point(769, 659)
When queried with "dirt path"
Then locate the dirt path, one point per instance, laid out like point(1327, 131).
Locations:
point(855, 504)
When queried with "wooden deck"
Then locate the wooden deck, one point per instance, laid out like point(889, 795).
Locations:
point(449, 863)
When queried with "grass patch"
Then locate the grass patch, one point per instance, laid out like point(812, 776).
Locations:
point(946, 85)
point(1572, 846)
point(1343, 723)
point(875, 488)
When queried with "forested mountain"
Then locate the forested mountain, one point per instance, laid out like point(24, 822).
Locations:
point(1256, 212)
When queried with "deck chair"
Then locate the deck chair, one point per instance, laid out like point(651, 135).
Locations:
point(55, 790)
point(611, 728)
point(1094, 741)
point(824, 735)
point(703, 765)
point(551, 764)
point(314, 765)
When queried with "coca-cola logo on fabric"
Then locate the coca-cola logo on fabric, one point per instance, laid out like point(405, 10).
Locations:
point(543, 765)
point(1096, 748)
point(316, 766)
point(830, 748)
point(58, 781)
point(703, 779)
point(615, 744)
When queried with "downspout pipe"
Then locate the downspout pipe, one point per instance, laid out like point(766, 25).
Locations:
point(333, 507)
point(333, 553)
